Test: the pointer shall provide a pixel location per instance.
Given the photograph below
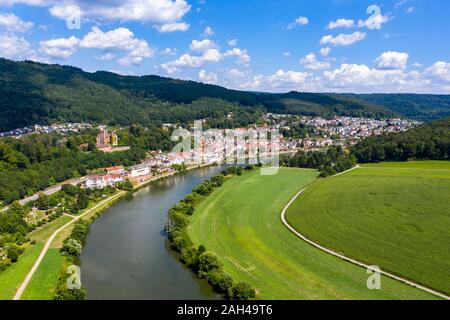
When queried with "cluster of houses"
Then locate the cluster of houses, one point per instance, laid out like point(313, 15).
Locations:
point(41, 129)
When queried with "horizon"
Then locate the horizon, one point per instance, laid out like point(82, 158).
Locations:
point(390, 46)
point(250, 91)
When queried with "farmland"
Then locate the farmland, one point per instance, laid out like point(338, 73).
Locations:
point(241, 223)
point(395, 215)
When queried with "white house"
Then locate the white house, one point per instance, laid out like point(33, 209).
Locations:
point(139, 170)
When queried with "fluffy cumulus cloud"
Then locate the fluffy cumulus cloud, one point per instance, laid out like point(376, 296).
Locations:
point(205, 77)
point(13, 23)
point(201, 46)
point(440, 71)
point(61, 48)
point(341, 23)
point(392, 60)
point(111, 43)
point(192, 61)
point(118, 40)
point(241, 54)
point(164, 14)
point(310, 62)
point(361, 78)
point(343, 39)
point(13, 47)
point(300, 21)
point(201, 52)
point(375, 21)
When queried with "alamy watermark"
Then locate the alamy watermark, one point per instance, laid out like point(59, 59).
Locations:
point(228, 146)
point(74, 280)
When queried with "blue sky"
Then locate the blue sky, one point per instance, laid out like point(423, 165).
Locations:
point(261, 45)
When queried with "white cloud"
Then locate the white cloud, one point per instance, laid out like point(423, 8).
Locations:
point(341, 23)
point(13, 47)
point(169, 51)
point(155, 11)
point(205, 77)
point(120, 39)
point(300, 21)
point(392, 60)
point(310, 62)
point(13, 23)
point(233, 42)
point(325, 51)
point(411, 10)
point(343, 39)
point(440, 71)
point(235, 74)
point(171, 27)
point(417, 65)
point(106, 57)
point(242, 55)
point(201, 46)
point(286, 54)
point(192, 61)
point(374, 22)
point(208, 32)
point(61, 48)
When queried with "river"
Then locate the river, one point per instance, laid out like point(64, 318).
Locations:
point(127, 255)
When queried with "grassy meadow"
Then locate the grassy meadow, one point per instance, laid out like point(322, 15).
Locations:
point(12, 277)
point(241, 223)
point(394, 215)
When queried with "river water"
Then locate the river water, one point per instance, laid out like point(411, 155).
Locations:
point(127, 255)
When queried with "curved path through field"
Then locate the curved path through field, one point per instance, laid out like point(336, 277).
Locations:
point(29, 276)
point(353, 261)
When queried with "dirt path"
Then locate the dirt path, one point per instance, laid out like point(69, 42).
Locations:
point(353, 261)
point(29, 276)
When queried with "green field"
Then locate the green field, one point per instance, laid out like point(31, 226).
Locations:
point(42, 234)
point(12, 277)
point(43, 284)
point(241, 223)
point(394, 215)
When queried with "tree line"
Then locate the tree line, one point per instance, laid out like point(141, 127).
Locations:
point(427, 142)
point(205, 264)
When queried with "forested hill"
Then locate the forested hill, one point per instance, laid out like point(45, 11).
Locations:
point(422, 107)
point(430, 141)
point(33, 93)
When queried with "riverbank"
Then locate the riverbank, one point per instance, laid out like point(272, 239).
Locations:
point(53, 239)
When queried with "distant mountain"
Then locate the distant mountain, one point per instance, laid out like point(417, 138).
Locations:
point(34, 93)
point(422, 107)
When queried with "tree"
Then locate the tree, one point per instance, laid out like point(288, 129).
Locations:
point(13, 253)
point(241, 291)
point(72, 247)
point(208, 261)
point(82, 200)
point(42, 202)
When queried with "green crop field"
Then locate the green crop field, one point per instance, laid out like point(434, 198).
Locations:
point(241, 223)
point(12, 277)
point(394, 215)
point(43, 284)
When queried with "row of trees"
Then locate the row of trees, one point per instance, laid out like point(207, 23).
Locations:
point(204, 264)
point(329, 162)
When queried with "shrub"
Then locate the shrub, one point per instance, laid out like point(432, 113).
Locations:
point(72, 247)
point(241, 291)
